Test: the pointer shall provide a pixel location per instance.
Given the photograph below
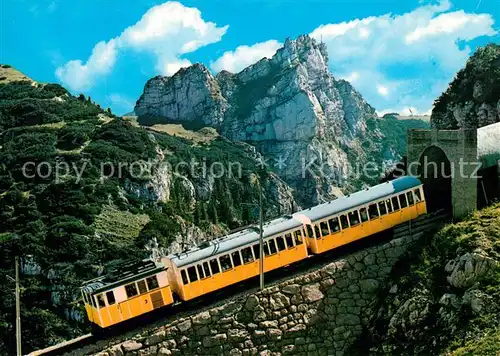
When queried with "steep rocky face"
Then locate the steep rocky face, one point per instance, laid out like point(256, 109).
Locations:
point(473, 98)
point(309, 126)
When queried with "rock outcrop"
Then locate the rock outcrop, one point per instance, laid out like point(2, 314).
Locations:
point(309, 126)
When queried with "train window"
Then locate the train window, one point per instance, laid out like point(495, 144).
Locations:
point(310, 233)
point(402, 201)
point(100, 301)
point(373, 211)
point(354, 218)
point(236, 258)
point(131, 290)
point(214, 265)
point(324, 228)
point(280, 242)
point(193, 277)
point(272, 246)
point(256, 251)
point(266, 249)
point(316, 230)
point(298, 237)
point(382, 208)
point(152, 282)
point(200, 271)
point(395, 203)
point(110, 296)
point(418, 197)
point(363, 214)
point(184, 277)
point(206, 268)
point(225, 263)
point(289, 240)
point(334, 225)
point(142, 287)
point(389, 205)
point(246, 253)
point(343, 221)
point(409, 195)
point(92, 298)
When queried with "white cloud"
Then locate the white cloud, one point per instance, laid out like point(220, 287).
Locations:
point(243, 56)
point(167, 31)
point(413, 55)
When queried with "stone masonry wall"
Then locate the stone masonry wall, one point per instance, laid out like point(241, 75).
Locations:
point(318, 313)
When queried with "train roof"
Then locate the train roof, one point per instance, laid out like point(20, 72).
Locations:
point(122, 274)
point(360, 198)
point(232, 241)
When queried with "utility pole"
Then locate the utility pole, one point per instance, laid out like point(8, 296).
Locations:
point(261, 240)
point(18, 310)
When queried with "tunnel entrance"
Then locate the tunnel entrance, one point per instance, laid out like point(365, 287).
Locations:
point(434, 171)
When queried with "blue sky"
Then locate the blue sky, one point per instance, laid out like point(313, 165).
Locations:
point(398, 54)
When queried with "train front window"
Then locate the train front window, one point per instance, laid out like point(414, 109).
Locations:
point(214, 265)
point(246, 253)
point(389, 205)
point(334, 225)
point(382, 208)
point(363, 214)
point(131, 290)
point(142, 287)
point(184, 277)
point(402, 201)
point(225, 263)
point(310, 232)
point(110, 296)
point(343, 221)
point(354, 218)
point(152, 282)
point(206, 268)
point(409, 195)
point(298, 237)
point(395, 203)
point(100, 301)
point(289, 240)
point(418, 197)
point(200, 271)
point(236, 258)
point(92, 299)
point(280, 242)
point(193, 277)
point(373, 211)
point(324, 228)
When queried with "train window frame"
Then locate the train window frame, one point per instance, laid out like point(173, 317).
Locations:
point(93, 303)
point(272, 246)
point(403, 202)
point(289, 240)
point(214, 263)
point(200, 270)
point(342, 223)
point(206, 269)
point(317, 231)
point(321, 227)
point(190, 274)
point(112, 300)
point(256, 251)
point(411, 200)
point(243, 254)
point(332, 225)
point(370, 211)
point(184, 277)
point(225, 263)
point(388, 204)
point(141, 286)
point(381, 204)
point(238, 258)
point(281, 247)
point(298, 237)
point(266, 249)
point(354, 214)
point(363, 214)
point(418, 195)
point(310, 231)
point(130, 295)
point(150, 283)
point(395, 203)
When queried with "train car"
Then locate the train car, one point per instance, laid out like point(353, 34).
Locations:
point(363, 213)
point(235, 258)
point(131, 290)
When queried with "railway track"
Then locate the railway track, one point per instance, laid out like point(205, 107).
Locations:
point(88, 344)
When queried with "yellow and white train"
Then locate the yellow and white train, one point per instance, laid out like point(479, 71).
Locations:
point(145, 286)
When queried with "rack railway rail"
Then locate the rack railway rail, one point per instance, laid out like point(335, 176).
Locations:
point(89, 344)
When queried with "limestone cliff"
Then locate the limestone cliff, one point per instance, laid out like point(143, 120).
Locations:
point(311, 128)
